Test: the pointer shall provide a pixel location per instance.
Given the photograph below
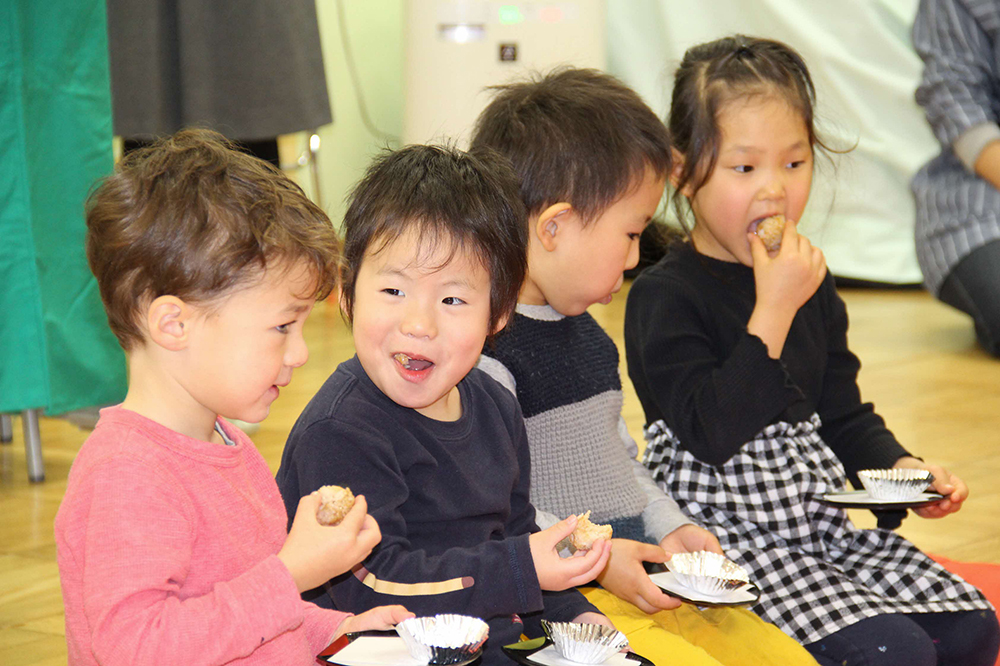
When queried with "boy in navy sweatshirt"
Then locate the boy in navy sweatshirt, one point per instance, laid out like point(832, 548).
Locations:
point(434, 256)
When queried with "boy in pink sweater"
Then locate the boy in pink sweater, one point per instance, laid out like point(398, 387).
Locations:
point(172, 542)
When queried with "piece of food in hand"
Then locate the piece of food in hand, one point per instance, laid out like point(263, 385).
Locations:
point(586, 533)
point(335, 502)
point(770, 230)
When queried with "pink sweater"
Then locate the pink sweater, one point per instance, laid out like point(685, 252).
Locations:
point(167, 553)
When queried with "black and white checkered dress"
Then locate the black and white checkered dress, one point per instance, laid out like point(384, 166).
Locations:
point(817, 572)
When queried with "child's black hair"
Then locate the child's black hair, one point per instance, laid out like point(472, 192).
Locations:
point(715, 73)
point(467, 200)
point(574, 135)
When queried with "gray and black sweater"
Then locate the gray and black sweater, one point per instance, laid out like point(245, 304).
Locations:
point(564, 372)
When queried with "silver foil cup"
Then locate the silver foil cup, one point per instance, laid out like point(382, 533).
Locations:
point(585, 643)
point(898, 485)
point(444, 639)
point(707, 572)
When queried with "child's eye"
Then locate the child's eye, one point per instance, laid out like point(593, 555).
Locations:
point(634, 236)
point(453, 300)
point(283, 328)
point(392, 292)
point(743, 168)
point(796, 164)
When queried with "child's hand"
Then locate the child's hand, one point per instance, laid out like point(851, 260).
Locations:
point(557, 573)
point(316, 553)
point(946, 483)
point(380, 618)
point(792, 275)
point(597, 618)
point(626, 578)
point(690, 539)
point(784, 282)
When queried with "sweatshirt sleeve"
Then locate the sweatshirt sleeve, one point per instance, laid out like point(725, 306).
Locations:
point(131, 568)
point(714, 403)
point(561, 606)
point(850, 427)
point(662, 515)
point(485, 580)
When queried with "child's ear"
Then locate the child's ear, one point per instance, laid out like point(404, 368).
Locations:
point(678, 168)
point(501, 324)
point(340, 295)
point(546, 226)
point(168, 320)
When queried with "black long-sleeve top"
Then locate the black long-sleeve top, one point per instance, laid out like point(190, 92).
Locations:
point(695, 366)
point(450, 498)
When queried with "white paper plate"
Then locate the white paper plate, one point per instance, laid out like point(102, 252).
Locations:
point(377, 651)
point(549, 656)
point(860, 499)
point(741, 596)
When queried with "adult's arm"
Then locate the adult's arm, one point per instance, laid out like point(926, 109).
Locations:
point(957, 90)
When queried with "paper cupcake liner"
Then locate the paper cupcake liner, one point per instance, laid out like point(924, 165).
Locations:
point(706, 572)
point(895, 484)
point(585, 643)
point(443, 639)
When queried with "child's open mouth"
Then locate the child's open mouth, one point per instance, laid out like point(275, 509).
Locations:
point(410, 363)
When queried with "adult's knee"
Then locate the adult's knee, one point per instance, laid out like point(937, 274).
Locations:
point(973, 286)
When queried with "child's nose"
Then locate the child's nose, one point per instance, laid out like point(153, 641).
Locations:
point(418, 322)
point(297, 352)
point(633, 256)
point(773, 188)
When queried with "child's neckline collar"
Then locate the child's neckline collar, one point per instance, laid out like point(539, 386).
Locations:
point(544, 312)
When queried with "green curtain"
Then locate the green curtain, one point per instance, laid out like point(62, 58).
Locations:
point(56, 351)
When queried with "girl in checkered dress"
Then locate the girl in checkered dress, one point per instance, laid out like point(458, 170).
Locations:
point(739, 357)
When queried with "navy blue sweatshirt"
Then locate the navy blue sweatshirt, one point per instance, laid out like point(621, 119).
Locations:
point(451, 500)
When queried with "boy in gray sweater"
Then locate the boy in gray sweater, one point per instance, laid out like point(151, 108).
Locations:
point(593, 161)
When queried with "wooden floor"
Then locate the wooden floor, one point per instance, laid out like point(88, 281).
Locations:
point(937, 391)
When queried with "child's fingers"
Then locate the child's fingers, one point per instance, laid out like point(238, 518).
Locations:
point(355, 518)
point(961, 492)
point(308, 505)
point(369, 535)
point(819, 260)
point(559, 531)
point(398, 613)
point(757, 249)
point(380, 618)
point(587, 568)
point(939, 510)
point(648, 552)
point(652, 598)
point(389, 616)
point(790, 231)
